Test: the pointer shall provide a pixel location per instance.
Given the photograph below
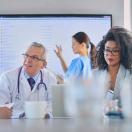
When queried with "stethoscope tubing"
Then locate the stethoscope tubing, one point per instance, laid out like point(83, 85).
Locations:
point(41, 81)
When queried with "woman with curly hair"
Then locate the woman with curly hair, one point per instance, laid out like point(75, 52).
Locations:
point(115, 58)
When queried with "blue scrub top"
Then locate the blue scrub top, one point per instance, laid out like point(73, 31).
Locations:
point(80, 67)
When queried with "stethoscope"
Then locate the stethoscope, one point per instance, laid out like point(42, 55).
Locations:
point(40, 84)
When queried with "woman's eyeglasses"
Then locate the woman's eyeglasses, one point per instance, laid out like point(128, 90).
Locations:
point(114, 52)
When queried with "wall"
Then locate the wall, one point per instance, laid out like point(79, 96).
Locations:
point(114, 7)
point(127, 14)
point(131, 15)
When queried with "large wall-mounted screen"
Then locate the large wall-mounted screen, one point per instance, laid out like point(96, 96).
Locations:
point(17, 32)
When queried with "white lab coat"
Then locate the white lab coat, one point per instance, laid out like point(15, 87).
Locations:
point(123, 74)
point(9, 90)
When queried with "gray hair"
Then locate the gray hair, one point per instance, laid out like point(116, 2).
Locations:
point(40, 45)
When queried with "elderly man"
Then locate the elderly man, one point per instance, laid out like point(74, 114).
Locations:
point(30, 82)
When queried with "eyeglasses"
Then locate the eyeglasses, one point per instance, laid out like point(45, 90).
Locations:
point(114, 52)
point(35, 58)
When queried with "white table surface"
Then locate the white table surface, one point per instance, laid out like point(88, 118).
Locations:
point(64, 125)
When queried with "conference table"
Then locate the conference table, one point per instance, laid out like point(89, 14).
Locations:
point(64, 125)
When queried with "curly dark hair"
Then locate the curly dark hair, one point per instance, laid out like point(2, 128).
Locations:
point(123, 39)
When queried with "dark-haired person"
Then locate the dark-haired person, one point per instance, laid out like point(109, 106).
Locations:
point(114, 58)
point(81, 66)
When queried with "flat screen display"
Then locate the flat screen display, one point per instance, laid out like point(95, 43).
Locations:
point(17, 32)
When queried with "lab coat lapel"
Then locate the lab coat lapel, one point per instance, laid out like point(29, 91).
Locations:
point(36, 84)
point(24, 86)
point(120, 77)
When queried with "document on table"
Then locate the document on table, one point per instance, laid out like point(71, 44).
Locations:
point(9, 105)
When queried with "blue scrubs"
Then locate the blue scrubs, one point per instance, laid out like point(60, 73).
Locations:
point(80, 67)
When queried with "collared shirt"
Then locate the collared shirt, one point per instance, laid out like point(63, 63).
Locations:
point(34, 77)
